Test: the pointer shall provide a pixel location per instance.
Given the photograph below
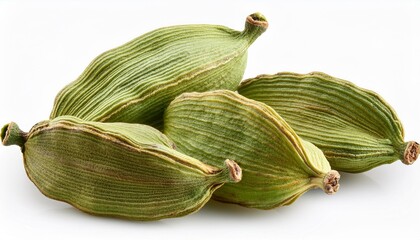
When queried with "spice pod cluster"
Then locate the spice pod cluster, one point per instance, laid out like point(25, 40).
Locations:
point(157, 127)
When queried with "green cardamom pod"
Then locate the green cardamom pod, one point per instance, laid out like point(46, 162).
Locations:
point(354, 127)
point(277, 165)
point(135, 82)
point(116, 169)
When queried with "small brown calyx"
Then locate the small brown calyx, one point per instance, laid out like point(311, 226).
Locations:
point(411, 153)
point(257, 19)
point(12, 135)
point(331, 182)
point(235, 172)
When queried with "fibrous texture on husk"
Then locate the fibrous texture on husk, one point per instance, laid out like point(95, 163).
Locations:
point(354, 127)
point(277, 165)
point(136, 81)
point(116, 169)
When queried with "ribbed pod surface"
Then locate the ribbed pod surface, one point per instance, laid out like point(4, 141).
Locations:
point(354, 127)
point(136, 81)
point(116, 169)
point(277, 165)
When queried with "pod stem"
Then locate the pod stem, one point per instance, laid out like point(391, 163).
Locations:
point(235, 172)
point(410, 152)
point(12, 135)
point(255, 25)
point(329, 183)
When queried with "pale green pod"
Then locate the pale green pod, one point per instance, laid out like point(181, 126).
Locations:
point(277, 165)
point(135, 82)
point(354, 127)
point(116, 169)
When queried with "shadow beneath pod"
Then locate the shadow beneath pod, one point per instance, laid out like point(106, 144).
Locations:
point(350, 184)
point(76, 214)
point(359, 181)
point(281, 214)
point(215, 210)
point(221, 210)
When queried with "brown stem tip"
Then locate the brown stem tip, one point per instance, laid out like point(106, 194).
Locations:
point(257, 19)
point(12, 135)
point(411, 153)
point(330, 182)
point(235, 172)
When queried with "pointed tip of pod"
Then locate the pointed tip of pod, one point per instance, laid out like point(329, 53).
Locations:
point(12, 135)
point(331, 182)
point(257, 19)
point(411, 152)
point(255, 25)
point(235, 172)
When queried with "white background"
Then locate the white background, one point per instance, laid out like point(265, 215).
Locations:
point(376, 44)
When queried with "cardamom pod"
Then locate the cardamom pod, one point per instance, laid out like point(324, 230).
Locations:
point(116, 169)
point(135, 82)
point(277, 165)
point(354, 127)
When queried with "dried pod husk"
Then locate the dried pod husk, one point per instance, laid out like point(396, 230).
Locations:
point(135, 82)
point(277, 165)
point(354, 127)
point(116, 169)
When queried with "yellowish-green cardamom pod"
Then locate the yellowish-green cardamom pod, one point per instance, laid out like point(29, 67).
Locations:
point(135, 82)
point(277, 165)
point(116, 169)
point(354, 127)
